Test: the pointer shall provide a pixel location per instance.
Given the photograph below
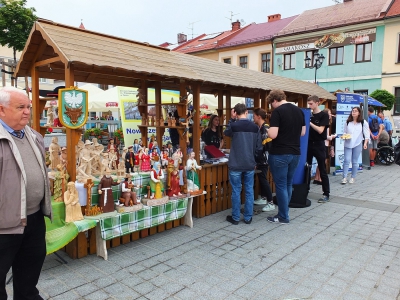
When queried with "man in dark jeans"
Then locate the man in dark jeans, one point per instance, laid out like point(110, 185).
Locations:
point(319, 124)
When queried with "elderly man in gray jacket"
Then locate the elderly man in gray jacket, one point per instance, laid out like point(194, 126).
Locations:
point(24, 196)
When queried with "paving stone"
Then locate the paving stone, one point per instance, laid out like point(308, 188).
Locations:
point(104, 281)
point(98, 295)
point(120, 291)
point(86, 289)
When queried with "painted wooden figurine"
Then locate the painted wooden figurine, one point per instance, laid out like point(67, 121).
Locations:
point(193, 183)
point(156, 184)
point(106, 200)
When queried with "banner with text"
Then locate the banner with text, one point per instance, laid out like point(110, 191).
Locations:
point(130, 116)
point(345, 103)
point(328, 40)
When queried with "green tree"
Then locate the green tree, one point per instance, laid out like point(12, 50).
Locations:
point(16, 22)
point(385, 97)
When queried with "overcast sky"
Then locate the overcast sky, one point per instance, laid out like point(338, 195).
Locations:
point(158, 21)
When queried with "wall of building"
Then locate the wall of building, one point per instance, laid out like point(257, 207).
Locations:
point(252, 51)
point(352, 75)
point(209, 55)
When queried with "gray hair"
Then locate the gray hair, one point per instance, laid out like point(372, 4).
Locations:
point(5, 94)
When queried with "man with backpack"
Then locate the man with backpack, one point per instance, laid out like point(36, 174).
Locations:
point(375, 127)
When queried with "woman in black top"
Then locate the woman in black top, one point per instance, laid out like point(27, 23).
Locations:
point(211, 135)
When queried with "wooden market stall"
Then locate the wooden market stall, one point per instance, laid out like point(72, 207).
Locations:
point(62, 52)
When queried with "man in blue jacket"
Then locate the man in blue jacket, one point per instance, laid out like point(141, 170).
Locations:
point(245, 146)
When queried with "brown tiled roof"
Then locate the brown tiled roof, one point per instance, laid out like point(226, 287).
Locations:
point(122, 61)
point(354, 11)
point(394, 10)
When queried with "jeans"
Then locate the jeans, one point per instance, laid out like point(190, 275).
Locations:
point(265, 189)
point(351, 154)
point(235, 179)
point(318, 150)
point(25, 254)
point(283, 168)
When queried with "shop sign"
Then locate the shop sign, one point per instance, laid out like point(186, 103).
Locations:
point(328, 40)
point(112, 104)
point(73, 107)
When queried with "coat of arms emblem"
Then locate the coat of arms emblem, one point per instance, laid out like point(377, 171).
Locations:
point(73, 107)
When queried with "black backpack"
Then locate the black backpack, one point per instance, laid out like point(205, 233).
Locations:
point(374, 125)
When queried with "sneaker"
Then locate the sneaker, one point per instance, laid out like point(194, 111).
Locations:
point(317, 182)
point(270, 206)
point(351, 180)
point(276, 219)
point(249, 221)
point(231, 220)
point(372, 163)
point(344, 180)
point(324, 199)
point(261, 201)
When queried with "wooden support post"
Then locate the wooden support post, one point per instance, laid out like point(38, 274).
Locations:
point(263, 102)
point(159, 131)
point(228, 105)
point(256, 99)
point(36, 105)
point(196, 122)
point(73, 135)
point(143, 86)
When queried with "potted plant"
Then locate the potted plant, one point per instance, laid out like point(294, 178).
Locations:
point(95, 132)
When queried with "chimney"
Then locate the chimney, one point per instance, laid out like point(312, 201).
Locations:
point(236, 25)
point(182, 38)
point(275, 17)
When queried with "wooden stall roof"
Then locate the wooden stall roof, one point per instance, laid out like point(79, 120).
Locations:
point(100, 58)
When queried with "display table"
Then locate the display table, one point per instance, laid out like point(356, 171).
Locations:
point(59, 233)
point(149, 216)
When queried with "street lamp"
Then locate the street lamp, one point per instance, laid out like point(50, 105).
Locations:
point(318, 61)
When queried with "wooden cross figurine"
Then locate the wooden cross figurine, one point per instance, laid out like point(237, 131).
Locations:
point(88, 185)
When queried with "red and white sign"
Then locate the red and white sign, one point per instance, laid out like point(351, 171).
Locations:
point(204, 106)
point(112, 104)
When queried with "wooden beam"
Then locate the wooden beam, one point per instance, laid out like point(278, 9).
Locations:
point(73, 135)
point(37, 108)
point(196, 122)
point(46, 61)
point(38, 53)
point(256, 98)
point(159, 131)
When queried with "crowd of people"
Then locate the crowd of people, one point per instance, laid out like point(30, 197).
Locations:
point(277, 146)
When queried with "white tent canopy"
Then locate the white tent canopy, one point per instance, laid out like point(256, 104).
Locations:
point(98, 102)
point(211, 103)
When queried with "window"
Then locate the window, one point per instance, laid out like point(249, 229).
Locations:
point(243, 61)
point(363, 52)
point(396, 107)
point(336, 56)
point(42, 80)
point(310, 55)
point(227, 61)
point(398, 49)
point(361, 92)
point(266, 62)
point(290, 61)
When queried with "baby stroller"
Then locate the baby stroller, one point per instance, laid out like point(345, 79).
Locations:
point(385, 154)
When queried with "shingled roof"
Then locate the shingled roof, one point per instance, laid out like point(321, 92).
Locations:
point(101, 58)
point(346, 13)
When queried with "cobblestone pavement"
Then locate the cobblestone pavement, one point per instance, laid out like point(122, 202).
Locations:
point(345, 249)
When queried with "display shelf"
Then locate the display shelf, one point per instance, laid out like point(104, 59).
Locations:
point(163, 126)
point(162, 104)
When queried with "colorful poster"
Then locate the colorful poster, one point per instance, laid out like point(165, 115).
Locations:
point(345, 103)
point(130, 116)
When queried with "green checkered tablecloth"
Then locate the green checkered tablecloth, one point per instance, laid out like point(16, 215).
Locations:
point(147, 217)
point(59, 233)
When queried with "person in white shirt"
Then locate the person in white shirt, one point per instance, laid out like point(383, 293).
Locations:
point(355, 130)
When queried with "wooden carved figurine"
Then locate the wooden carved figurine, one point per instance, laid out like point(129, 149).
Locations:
point(128, 197)
point(193, 183)
point(156, 184)
point(169, 121)
point(73, 210)
point(54, 150)
point(50, 117)
point(106, 200)
point(144, 120)
point(153, 118)
point(173, 122)
point(161, 121)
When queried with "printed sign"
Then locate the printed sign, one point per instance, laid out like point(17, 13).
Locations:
point(328, 40)
point(345, 103)
point(72, 107)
